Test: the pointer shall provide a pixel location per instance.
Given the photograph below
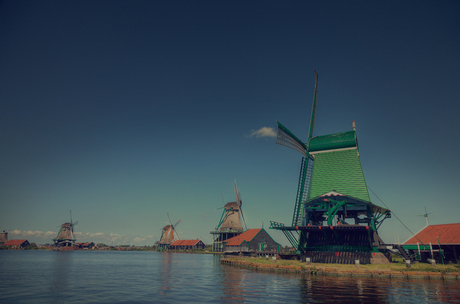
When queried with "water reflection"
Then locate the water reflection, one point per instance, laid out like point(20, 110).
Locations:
point(60, 276)
point(343, 289)
point(165, 273)
point(152, 277)
point(447, 293)
point(232, 285)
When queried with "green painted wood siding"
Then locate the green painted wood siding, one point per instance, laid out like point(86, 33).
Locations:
point(333, 141)
point(338, 171)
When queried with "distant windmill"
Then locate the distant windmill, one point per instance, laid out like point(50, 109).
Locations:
point(167, 234)
point(66, 236)
point(232, 218)
point(425, 215)
point(232, 222)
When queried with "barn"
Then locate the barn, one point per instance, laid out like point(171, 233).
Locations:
point(187, 244)
point(252, 241)
point(427, 243)
point(16, 244)
point(87, 245)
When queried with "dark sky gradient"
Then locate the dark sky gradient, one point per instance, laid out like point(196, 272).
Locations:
point(122, 111)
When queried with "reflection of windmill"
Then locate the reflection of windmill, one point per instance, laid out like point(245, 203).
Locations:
point(331, 190)
point(231, 222)
point(425, 215)
point(167, 234)
point(65, 236)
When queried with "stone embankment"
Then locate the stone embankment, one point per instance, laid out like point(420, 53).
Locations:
point(342, 272)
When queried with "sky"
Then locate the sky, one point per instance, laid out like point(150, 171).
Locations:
point(124, 111)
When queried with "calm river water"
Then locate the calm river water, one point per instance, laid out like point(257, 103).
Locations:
point(153, 277)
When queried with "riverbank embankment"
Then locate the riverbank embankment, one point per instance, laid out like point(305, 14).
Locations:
point(288, 266)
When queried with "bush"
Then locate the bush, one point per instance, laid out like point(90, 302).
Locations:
point(31, 246)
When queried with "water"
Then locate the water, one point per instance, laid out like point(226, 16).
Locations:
point(153, 277)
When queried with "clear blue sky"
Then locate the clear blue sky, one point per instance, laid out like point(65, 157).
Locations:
point(123, 111)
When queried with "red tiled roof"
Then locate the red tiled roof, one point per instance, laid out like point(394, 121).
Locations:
point(83, 244)
point(447, 233)
point(185, 243)
point(14, 242)
point(247, 236)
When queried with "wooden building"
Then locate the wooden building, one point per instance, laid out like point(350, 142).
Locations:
point(427, 243)
point(251, 241)
point(16, 244)
point(187, 244)
point(87, 245)
point(3, 237)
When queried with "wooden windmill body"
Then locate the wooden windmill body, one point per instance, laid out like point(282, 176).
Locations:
point(231, 223)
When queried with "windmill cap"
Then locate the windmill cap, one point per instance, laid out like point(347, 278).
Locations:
point(232, 206)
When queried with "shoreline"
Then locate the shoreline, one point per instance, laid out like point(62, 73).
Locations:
point(331, 271)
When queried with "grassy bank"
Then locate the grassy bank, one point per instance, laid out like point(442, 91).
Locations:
point(298, 266)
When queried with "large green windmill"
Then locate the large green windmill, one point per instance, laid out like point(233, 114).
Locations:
point(331, 192)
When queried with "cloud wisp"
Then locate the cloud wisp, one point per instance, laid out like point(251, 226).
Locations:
point(263, 132)
point(98, 237)
point(30, 233)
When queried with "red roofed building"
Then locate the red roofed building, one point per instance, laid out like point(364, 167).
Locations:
point(16, 243)
point(252, 240)
point(187, 244)
point(87, 245)
point(431, 238)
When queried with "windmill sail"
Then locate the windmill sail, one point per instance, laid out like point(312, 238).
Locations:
point(240, 203)
point(288, 139)
point(313, 109)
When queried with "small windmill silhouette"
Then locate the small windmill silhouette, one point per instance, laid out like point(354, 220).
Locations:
point(425, 215)
point(66, 236)
point(168, 232)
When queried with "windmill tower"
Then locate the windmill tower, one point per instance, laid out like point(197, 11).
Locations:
point(65, 236)
point(167, 234)
point(231, 222)
point(331, 191)
point(3, 237)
